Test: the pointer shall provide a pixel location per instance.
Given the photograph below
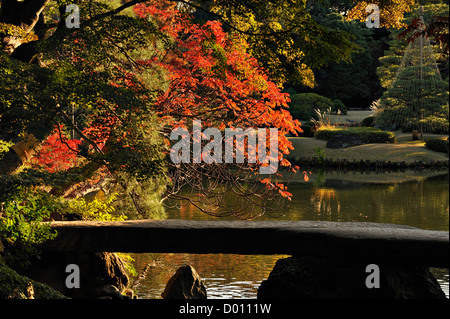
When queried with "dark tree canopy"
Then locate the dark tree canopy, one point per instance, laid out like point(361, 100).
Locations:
point(110, 91)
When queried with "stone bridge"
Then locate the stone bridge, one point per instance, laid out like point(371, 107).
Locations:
point(348, 240)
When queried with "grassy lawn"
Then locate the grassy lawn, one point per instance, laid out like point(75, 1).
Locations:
point(404, 150)
point(351, 116)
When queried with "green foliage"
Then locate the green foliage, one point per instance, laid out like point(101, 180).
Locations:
point(368, 121)
point(437, 144)
point(96, 209)
point(4, 147)
point(389, 64)
point(25, 110)
point(22, 224)
point(353, 82)
point(320, 154)
point(140, 198)
point(308, 129)
point(412, 102)
point(22, 216)
point(290, 90)
point(92, 71)
point(390, 61)
point(284, 37)
point(25, 215)
point(339, 107)
point(303, 106)
point(128, 262)
point(15, 31)
point(16, 286)
point(367, 134)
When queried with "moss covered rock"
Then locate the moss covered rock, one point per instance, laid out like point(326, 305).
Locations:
point(13, 285)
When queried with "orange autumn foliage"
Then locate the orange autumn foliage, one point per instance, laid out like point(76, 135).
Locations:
point(214, 79)
point(55, 155)
point(211, 77)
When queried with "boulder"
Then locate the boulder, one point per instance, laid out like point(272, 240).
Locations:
point(101, 274)
point(107, 292)
point(309, 277)
point(185, 284)
point(343, 141)
point(13, 285)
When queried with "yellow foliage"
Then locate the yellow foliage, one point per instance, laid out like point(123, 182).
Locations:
point(249, 23)
point(15, 31)
point(96, 209)
point(391, 12)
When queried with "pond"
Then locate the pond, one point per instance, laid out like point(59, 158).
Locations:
point(406, 198)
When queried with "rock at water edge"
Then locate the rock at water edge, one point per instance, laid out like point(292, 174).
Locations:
point(185, 284)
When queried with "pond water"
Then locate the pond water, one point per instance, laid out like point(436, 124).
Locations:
point(420, 202)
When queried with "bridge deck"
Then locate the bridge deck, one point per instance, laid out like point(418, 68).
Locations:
point(369, 241)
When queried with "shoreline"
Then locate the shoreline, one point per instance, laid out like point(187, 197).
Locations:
point(319, 176)
point(405, 153)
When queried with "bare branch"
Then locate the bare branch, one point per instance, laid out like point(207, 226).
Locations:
point(69, 121)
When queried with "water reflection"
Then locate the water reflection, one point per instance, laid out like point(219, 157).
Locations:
point(226, 276)
point(418, 203)
point(422, 204)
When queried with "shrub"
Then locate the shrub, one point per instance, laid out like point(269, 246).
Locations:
point(401, 107)
point(431, 124)
point(437, 144)
point(290, 90)
point(308, 129)
point(368, 121)
point(22, 227)
point(367, 134)
point(338, 105)
point(24, 220)
point(96, 209)
point(303, 106)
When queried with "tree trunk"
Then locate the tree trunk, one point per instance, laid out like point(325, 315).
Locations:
point(19, 154)
point(25, 15)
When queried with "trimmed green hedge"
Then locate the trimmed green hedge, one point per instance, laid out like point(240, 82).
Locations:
point(368, 121)
point(308, 129)
point(303, 106)
point(437, 144)
point(367, 134)
point(338, 105)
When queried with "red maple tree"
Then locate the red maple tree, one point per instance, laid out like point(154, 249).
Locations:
point(214, 79)
point(58, 153)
